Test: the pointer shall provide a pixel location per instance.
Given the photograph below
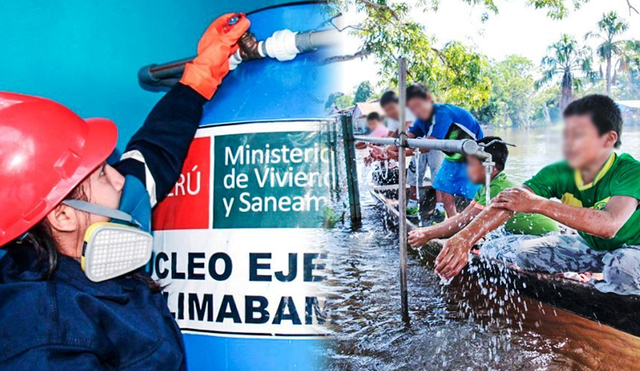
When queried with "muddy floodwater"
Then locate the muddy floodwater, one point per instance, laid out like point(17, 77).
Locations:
point(465, 325)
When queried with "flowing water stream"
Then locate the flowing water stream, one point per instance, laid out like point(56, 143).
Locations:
point(462, 326)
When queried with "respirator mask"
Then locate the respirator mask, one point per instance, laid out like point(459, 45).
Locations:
point(122, 245)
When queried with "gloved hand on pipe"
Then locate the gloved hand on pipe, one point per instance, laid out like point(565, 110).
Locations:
point(205, 73)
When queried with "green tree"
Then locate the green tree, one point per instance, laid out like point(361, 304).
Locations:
point(629, 65)
point(332, 99)
point(564, 59)
point(546, 106)
point(454, 72)
point(461, 79)
point(344, 101)
point(340, 100)
point(513, 90)
point(488, 113)
point(363, 92)
point(611, 26)
point(630, 58)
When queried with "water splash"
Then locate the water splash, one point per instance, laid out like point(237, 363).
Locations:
point(468, 324)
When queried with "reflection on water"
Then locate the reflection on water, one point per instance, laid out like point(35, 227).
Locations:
point(462, 326)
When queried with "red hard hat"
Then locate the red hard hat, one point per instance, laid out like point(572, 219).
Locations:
point(45, 152)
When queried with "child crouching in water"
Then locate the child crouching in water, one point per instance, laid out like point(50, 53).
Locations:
point(519, 224)
point(599, 194)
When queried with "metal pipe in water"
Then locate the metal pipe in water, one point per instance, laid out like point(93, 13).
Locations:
point(488, 168)
point(465, 146)
point(402, 191)
point(416, 157)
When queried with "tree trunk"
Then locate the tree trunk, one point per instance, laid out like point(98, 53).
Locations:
point(609, 76)
point(547, 115)
point(505, 117)
point(525, 114)
point(567, 90)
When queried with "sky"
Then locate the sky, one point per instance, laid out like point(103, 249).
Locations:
point(517, 29)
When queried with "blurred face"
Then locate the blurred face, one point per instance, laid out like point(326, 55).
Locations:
point(583, 145)
point(421, 108)
point(373, 124)
point(392, 110)
point(475, 170)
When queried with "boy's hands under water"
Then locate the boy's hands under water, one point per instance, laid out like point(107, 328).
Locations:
point(453, 257)
point(419, 237)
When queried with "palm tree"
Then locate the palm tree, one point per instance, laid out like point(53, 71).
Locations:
point(629, 64)
point(629, 61)
point(610, 26)
point(564, 58)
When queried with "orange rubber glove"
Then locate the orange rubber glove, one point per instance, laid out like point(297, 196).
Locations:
point(205, 73)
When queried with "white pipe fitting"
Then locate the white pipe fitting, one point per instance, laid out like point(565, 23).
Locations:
point(282, 45)
point(234, 60)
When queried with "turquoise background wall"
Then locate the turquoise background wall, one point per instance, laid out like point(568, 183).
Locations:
point(86, 54)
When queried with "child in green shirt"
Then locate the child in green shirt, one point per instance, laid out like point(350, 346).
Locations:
point(527, 224)
point(599, 192)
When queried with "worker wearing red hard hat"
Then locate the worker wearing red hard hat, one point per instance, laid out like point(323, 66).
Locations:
point(65, 303)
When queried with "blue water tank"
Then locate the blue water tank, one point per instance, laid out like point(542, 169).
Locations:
point(269, 89)
point(237, 240)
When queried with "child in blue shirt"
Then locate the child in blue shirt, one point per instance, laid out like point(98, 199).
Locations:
point(444, 121)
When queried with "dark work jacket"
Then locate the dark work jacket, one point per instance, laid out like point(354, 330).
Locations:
point(70, 323)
